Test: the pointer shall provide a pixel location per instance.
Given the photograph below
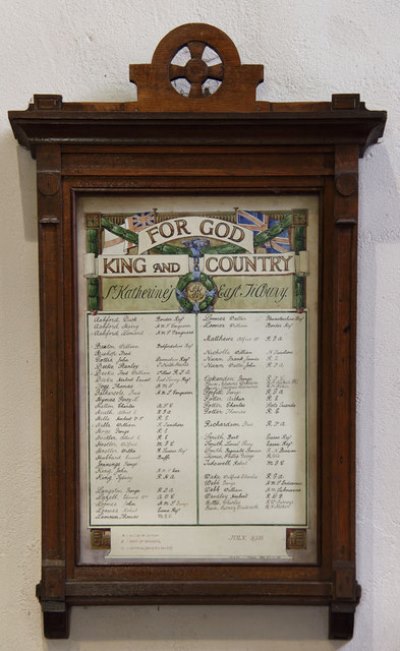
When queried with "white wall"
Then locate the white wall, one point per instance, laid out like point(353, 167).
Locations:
point(310, 48)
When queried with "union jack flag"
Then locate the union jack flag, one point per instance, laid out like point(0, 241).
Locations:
point(139, 220)
point(259, 222)
point(136, 222)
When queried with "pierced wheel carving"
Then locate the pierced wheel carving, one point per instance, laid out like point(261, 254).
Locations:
point(196, 70)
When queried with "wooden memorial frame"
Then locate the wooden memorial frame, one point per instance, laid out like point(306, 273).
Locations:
point(195, 139)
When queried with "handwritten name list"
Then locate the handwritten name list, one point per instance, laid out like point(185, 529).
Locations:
point(197, 419)
point(141, 418)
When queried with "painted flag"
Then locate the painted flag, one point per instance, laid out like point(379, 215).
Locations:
point(112, 243)
point(258, 222)
point(135, 222)
point(139, 220)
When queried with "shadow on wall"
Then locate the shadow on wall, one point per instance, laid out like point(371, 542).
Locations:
point(377, 295)
point(19, 179)
point(270, 626)
point(28, 196)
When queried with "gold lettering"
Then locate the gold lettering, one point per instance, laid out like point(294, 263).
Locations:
point(239, 232)
point(107, 268)
point(222, 230)
point(286, 261)
point(275, 261)
point(167, 229)
point(225, 263)
point(205, 223)
point(251, 264)
point(139, 265)
point(151, 232)
point(208, 264)
point(181, 227)
point(126, 265)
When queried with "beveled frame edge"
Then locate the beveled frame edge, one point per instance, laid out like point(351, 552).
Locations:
point(57, 591)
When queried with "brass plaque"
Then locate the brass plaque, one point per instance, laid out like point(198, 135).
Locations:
point(296, 538)
point(100, 538)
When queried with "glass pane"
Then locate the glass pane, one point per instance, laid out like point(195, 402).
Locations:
point(198, 379)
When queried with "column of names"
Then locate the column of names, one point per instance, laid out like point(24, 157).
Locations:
point(252, 424)
point(142, 433)
point(197, 419)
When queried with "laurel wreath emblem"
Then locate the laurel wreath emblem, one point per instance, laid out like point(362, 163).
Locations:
point(196, 292)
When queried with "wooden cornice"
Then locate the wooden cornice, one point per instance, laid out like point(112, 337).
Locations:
point(284, 124)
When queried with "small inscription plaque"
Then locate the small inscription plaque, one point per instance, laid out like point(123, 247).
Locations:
point(296, 538)
point(100, 538)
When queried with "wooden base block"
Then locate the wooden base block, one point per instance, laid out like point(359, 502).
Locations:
point(55, 620)
point(341, 621)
